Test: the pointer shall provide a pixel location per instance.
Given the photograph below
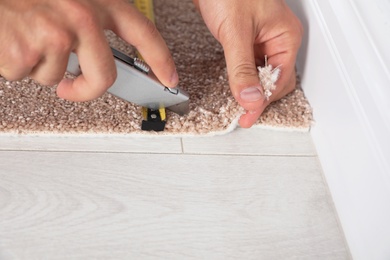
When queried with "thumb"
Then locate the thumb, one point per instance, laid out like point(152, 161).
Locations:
point(243, 75)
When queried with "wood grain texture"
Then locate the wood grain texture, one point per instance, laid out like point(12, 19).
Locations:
point(91, 143)
point(56, 205)
point(253, 141)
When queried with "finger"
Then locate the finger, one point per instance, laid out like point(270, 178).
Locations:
point(242, 71)
point(285, 83)
point(145, 37)
point(55, 42)
point(97, 66)
point(18, 64)
point(50, 70)
point(250, 117)
point(282, 51)
point(286, 86)
point(14, 73)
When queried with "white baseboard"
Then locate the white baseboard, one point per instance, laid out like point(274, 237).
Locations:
point(344, 63)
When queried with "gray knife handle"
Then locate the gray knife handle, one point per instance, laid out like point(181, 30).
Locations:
point(141, 88)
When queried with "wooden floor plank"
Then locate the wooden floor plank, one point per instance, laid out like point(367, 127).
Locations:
point(91, 143)
point(252, 141)
point(56, 205)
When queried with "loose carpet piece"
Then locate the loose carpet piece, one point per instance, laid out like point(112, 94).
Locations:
point(27, 107)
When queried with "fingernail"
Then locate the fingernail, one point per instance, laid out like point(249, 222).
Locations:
point(174, 79)
point(251, 94)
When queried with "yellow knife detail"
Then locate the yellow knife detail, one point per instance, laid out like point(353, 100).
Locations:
point(146, 8)
point(151, 121)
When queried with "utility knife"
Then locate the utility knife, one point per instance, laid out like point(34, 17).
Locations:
point(137, 84)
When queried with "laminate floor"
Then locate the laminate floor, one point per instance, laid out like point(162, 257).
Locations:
point(251, 194)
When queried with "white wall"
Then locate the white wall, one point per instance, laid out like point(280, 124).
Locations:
point(344, 64)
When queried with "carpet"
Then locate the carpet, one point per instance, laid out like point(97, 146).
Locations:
point(30, 108)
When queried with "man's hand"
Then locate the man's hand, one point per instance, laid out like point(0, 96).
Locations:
point(248, 30)
point(37, 37)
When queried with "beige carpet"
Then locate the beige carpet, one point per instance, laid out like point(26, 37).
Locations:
point(27, 107)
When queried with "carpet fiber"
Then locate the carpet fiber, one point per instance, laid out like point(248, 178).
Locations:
point(27, 107)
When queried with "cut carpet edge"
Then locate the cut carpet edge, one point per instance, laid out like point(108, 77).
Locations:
point(151, 134)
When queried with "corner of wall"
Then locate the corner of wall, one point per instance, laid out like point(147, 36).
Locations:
point(347, 83)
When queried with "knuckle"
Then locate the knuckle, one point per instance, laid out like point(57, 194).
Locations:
point(60, 41)
point(19, 67)
point(83, 15)
point(30, 60)
point(54, 35)
point(23, 56)
point(296, 31)
point(223, 33)
point(243, 71)
point(45, 23)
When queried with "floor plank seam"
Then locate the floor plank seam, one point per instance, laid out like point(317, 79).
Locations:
point(165, 153)
point(182, 145)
